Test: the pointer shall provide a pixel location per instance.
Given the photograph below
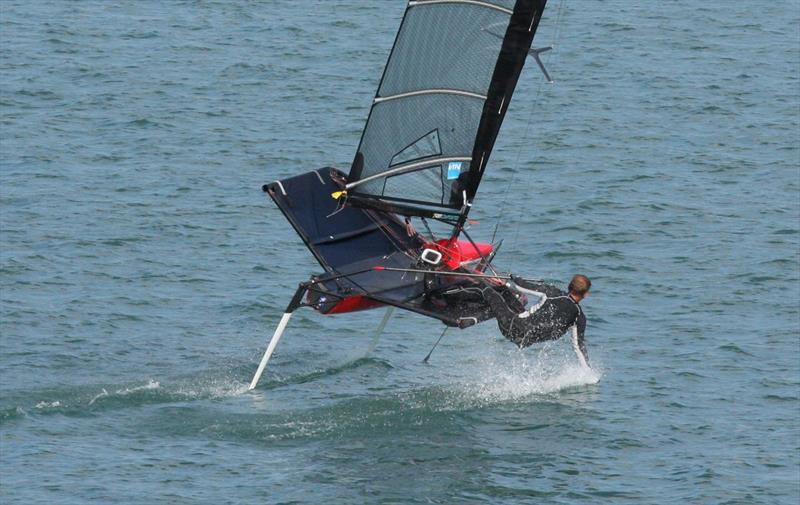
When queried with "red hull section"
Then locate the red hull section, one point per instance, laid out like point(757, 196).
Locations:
point(454, 254)
point(353, 304)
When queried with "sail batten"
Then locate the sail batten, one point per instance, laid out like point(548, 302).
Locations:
point(409, 167)
point(473, 2)
point(429, 133)
point(429, 92)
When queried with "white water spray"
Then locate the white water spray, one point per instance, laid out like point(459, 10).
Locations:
point(515, 375)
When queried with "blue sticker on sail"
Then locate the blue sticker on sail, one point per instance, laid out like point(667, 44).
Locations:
point(453, 170)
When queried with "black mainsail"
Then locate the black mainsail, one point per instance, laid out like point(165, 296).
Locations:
point(440, 104)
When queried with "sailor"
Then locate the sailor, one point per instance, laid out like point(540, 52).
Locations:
point(548, 319)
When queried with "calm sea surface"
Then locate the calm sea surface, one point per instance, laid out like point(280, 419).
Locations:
point(142, 270)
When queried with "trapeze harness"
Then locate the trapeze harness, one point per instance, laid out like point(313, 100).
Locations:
point(549, 319)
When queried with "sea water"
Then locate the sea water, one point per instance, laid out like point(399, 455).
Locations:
point(142, 270)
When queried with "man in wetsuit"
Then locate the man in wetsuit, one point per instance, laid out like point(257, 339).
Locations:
point(555, 313)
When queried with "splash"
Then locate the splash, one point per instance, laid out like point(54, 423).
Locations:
point(519, 375)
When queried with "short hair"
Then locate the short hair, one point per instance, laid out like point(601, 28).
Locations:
point(580, 285)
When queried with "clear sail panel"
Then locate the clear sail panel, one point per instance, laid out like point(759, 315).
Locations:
point(399, 134)
point(430, 101)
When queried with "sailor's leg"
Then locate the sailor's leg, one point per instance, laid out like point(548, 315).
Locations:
point(511, 325)
point(537, 333)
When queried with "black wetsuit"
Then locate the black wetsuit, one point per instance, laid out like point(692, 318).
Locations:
point(549, 321)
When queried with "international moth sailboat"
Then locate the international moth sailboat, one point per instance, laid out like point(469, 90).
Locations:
point(433, 122)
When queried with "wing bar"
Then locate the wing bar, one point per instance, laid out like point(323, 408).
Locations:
point(472, 2)
point(408, 167)
point(429, 92)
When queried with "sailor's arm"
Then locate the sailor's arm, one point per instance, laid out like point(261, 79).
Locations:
point(535, 286)
point(579, 345)
point(540, 296)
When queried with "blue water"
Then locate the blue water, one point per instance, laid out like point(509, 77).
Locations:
point(142, 270)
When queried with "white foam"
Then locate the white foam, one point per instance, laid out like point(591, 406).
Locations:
point(97, 397)
point(45, 405)
point(203, 389)
point(214, 388)
point(151, 384)
point(517, 374)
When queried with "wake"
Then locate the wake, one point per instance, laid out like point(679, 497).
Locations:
point(88, 400)
point(213, 385)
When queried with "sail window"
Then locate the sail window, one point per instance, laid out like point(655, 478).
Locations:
point(422, 148)
point(422, 185)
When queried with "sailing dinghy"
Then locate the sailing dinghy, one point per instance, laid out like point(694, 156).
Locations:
point(433, 122)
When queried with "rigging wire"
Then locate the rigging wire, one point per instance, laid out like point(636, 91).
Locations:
point(527, 177)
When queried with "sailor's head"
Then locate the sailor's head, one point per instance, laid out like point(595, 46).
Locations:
point(579, 287)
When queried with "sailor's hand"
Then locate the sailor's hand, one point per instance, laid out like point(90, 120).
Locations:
point(495, 281)
point(513, 282)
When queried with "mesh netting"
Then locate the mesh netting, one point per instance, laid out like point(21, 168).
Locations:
point(445, 46)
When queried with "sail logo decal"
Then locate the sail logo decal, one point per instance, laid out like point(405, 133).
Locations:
point(454, 170)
